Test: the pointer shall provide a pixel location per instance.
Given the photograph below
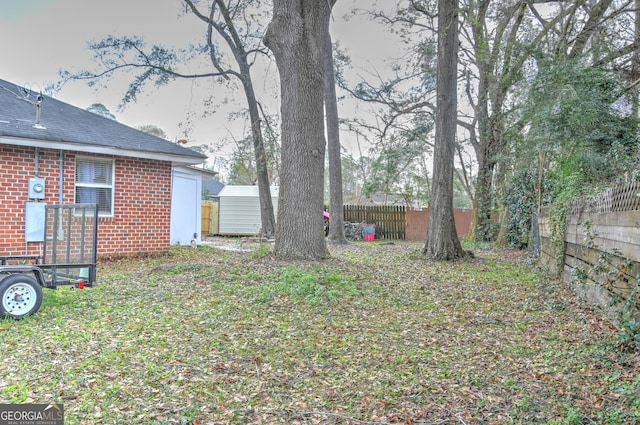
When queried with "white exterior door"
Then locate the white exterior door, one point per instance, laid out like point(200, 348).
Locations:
point(185, 206)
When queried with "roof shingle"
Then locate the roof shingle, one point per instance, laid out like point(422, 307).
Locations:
point(65, 123)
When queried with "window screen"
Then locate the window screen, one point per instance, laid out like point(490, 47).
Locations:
point(94, 184)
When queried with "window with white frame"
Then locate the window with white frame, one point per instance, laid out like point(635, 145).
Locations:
point(94, 183)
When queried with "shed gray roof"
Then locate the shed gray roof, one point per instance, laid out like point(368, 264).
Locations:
point(212, 187)
point(65, 126)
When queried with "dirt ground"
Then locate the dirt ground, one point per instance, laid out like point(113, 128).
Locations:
point(235, 243)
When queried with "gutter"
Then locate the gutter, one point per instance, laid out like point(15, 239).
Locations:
point(160, 156)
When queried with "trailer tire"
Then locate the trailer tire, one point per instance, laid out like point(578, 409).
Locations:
point(20, 296)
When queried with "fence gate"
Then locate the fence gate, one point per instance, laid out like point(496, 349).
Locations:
point(210, 218)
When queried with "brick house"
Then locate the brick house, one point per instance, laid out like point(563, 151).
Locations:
point(54, 153)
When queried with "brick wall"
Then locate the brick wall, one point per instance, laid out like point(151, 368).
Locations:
point(142, 200)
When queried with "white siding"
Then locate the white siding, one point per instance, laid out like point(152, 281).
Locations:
point(240, 210)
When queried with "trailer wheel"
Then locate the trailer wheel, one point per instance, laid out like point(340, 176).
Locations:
point(20, 296)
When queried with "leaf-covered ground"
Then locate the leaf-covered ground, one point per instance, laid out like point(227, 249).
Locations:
point(374, 335)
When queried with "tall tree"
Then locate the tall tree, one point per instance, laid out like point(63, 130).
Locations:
point(492, 52)
point(442, 240)
point(336, 229)
point(100, 109)
point(635, 67)
point(295, 36)
point(231, 22)
point(230, 12)
point(242, 170)
point(153, 129)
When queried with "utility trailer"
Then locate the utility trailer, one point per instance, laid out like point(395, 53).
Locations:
point(69, 255)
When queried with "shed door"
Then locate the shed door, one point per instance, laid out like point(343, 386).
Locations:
point(185, 208)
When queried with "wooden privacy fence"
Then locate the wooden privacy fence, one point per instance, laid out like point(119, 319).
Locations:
point(389, 220)
point(401, 223)
point(417, 221)
point(209, 220)
point(605, 227)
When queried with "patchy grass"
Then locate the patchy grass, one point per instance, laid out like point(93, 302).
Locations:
point(374, 335)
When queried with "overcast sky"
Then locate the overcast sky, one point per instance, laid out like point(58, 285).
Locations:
point(39, 37)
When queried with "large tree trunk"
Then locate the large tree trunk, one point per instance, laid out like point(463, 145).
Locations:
point(336, 210)
point(486, 162)
point(483, 227)
point(442, 240)
point(497, 73)
point(635, 67)
point(295, 38)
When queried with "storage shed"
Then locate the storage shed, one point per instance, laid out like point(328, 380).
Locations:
point(240, 210)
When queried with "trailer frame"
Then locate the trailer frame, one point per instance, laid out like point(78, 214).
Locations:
point(69, 257)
